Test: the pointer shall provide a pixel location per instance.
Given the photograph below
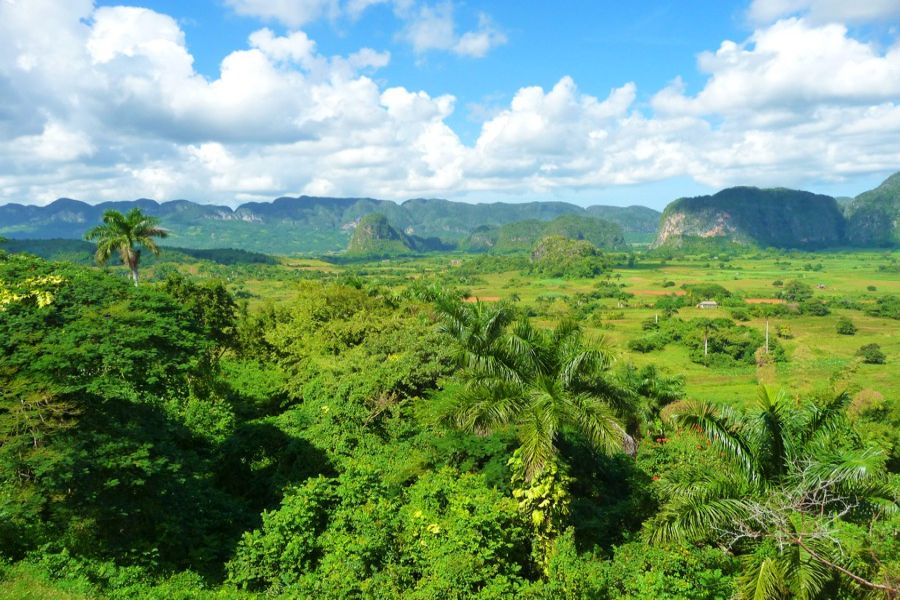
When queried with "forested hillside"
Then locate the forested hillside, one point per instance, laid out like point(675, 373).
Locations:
point(523, 235)
point(775, 217)
point(873, 217)
point(298, 225)
point(372, 434)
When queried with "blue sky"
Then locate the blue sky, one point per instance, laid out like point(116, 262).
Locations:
point(589, 102)
point(600, 44)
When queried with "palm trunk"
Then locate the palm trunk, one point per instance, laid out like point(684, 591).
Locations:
point(134, 276)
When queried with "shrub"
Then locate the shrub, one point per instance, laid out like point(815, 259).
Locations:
point(784, 332)
point(667, 284)
point(845, 326)
point(814, 308)
point(778, 283)
point(739, 314)
point(886, 306)
point(796, 291)
point(648, 343)
point(871, 288)
point(871, 354)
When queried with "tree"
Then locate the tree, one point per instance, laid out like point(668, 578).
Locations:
point(120, 233)
point(794, 480)
point(536, 381)
point(871, 354)
point(845, 326)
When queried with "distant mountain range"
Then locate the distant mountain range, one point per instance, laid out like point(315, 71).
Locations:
point(307, 224)
point(312, 225)
point(785, 218)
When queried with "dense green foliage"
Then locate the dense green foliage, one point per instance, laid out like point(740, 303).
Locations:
point(371, 435)
point(766, 217)
point(523, 235)
point(305, 224)
point(717, 341)
point(82, 252)
point(873, 217)
point(557, 256)
point(119, 234)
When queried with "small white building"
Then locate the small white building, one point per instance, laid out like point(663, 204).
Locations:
point(708, 304)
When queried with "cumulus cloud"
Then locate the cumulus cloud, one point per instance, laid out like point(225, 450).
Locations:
point(426, 27)
point(293, 13)
point(825, 11)
point(791, 66)
point(434, 28)
point(104, 103)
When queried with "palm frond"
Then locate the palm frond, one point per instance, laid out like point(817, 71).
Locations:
point(805, 575)
point(769, 431)
point(719, 431)
point(698, 517)
point(485, 408)
point(823, 420)
point(537, 435)
point(597, 423)
point(763, 579)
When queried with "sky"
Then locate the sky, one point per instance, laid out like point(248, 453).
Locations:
point(590, 102)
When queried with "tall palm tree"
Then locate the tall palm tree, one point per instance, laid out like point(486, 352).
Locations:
point(536, 381)
point(791, 474)
point(121, 233)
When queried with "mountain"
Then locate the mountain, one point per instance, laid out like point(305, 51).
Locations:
point(522, 235)
point(295, 225)
point(766, 217)
point(639, 223)
point(374, 236)
point(559, 256)
point(873, 217)
point(82, 252)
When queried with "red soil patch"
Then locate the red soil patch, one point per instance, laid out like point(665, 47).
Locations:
point(658, 292)
point(764, 301)
point(473, 299)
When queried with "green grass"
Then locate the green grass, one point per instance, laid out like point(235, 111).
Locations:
point(818, 357)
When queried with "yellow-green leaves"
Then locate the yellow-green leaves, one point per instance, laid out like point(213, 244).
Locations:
point(40, 290)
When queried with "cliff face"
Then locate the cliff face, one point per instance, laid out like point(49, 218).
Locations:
point(374, 235)
point(873, 217)
point(767, 217)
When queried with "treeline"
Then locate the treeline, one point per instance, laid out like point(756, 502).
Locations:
point(381, 442)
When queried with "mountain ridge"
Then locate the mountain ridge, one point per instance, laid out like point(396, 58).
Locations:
point(304, 224)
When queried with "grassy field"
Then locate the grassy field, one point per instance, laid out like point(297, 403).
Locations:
point(819, 359)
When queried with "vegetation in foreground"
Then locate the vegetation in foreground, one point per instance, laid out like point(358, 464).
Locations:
point(368, 434)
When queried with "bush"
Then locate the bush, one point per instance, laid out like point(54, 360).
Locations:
point(778, 283)
point(648, 343)
point(814, 308)
point(871, 288)
point(784, 332)
point(886, 306)
point(871, 354)
point(667, 284)
point(796, 291)
point(845, 326)
point(739, 314)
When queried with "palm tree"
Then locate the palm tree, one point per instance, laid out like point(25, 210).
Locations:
point(792, 474)
point(120, 233)
point(537, 381)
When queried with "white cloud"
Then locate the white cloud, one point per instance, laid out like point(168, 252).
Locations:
point(56, 143)
point(293, 13)
point(825, 11)
point(792, 66)
point(105, 104)
point(427, 27)
point(479, 42)
point(434, 28)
